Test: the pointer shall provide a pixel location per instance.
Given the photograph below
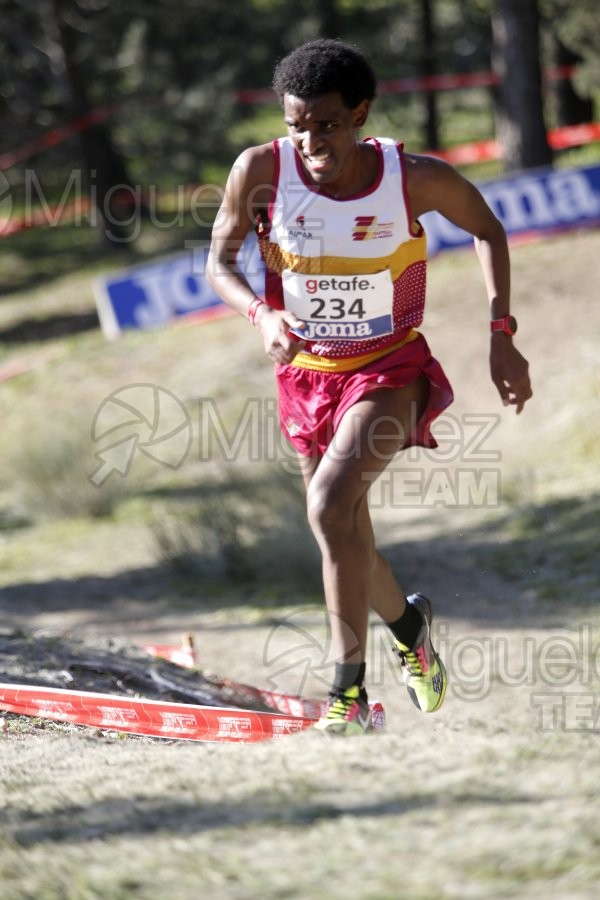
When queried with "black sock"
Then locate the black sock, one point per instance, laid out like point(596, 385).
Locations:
point(406, 628)
point(347, 675)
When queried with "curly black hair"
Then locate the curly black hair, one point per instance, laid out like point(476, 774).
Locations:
point(323, 66)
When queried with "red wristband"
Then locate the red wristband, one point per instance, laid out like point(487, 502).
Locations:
point(253, 309)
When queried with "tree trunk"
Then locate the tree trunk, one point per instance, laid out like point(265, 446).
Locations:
point(329, 18)
point(571, 107)
point(104, 168)
point(520, 123)
point(432, 133)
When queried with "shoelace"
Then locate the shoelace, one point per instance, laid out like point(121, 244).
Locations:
point(339, 704)
point(412, 663)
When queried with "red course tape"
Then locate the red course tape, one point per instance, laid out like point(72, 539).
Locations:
point(149, 717)
point(58, 134)
point(182, 721)
point(462, 154)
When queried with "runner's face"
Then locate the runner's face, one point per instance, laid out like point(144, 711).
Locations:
point(324, 133)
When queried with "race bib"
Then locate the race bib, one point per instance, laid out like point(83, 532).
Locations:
point(341, 307)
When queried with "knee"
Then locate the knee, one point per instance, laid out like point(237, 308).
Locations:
point(331, 514)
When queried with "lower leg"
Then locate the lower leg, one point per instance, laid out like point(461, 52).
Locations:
point(346, 562)
point(409, 623)
point(345, 567)
point(355, 576)
point(385, 595)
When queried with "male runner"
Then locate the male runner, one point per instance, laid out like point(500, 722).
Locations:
point(337, 218)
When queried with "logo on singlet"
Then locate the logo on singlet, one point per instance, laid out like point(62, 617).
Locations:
point(367, 228)
point(299, 231)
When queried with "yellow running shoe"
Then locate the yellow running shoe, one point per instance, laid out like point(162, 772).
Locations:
point(347, 712)
point(423, 671)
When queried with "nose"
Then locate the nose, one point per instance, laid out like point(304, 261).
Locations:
point(311, 142)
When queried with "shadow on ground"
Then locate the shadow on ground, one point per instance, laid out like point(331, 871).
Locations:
point(49, 328)
point(538, 560)
point(118, 815)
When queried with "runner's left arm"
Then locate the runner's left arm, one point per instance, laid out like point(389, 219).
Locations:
point(434, 185)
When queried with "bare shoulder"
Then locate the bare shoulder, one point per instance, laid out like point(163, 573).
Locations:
point(428, 181)
point(248, 191)
point(432, 184)
point(255, 166)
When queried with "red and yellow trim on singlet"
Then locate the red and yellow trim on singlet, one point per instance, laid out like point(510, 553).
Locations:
point(406, 254)
point(316, 363)
point(342, 246)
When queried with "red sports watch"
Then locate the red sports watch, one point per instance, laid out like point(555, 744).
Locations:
point(508, 324)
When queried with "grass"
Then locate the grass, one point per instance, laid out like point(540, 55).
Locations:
point(208, 517)
point(87, 817)
point(246, 529)
point(203, 520)
point(550, 547)
point(53, 471)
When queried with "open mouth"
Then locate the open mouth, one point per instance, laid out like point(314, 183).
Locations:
point(319, 163)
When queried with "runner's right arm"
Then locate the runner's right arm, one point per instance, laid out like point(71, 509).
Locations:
point(248, 190)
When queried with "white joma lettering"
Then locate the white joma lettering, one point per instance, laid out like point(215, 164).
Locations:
point(316, 330)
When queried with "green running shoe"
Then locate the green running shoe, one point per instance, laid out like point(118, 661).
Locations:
point(347, 712)
point(423, 671)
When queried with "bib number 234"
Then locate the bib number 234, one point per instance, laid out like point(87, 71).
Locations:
point(339, 307)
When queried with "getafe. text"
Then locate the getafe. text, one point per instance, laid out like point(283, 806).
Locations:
point(337, 284)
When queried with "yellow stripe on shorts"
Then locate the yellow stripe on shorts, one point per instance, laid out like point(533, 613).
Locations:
point(304, 360)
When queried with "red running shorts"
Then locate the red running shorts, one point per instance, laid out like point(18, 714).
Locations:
point(312, 403)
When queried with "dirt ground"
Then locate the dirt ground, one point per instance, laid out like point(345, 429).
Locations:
point(494, 796)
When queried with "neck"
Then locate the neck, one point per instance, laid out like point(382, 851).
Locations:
point(360, 173)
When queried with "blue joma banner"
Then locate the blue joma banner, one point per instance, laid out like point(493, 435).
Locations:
point(542, 200)
point(153, 294)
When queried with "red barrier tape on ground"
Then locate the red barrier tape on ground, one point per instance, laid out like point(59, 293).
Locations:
point(184, 656)
point(573, 135)
point(44, 217)
point(432, 83)
point(149, 717)
point(181, 721)
point(289, 704)
point(26, 364)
